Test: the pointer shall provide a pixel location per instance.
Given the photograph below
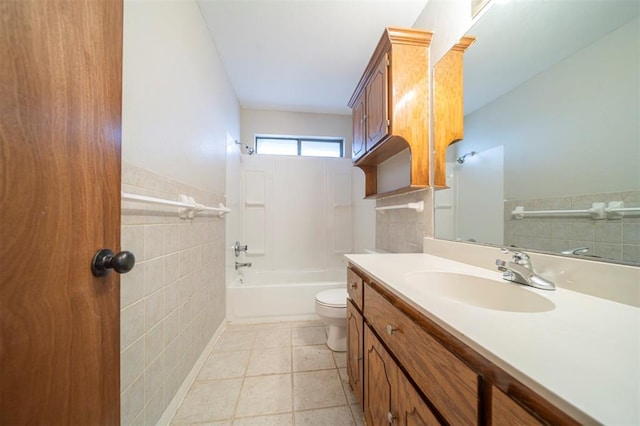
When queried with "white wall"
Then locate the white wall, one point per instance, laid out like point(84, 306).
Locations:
point(256, 122)
point(309, 124)
point(178, 104)
point(364, 214)
point(177, 108)
point(449, 20)
point(570, 140)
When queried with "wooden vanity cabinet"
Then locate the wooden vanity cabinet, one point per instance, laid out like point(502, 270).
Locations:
point(355, 288)
point(506, 412)
point(355, 351)
point(449, 384)
point(390, 397)
point(407, 370)
point(355, 333)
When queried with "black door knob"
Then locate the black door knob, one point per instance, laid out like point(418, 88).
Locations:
point(105, 259)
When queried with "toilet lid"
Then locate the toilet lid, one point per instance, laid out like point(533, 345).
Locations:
point(333, 298)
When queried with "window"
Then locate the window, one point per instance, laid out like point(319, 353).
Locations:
point(306, 147)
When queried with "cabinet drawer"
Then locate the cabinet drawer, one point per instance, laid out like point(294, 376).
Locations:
point(448, 383)
point(355, 288)
point(505, 411)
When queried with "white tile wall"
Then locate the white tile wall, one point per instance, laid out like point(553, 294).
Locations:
point(615, 239)
point(173, 300)
point(402, 231)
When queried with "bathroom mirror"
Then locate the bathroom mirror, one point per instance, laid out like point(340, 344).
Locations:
point(552, 125)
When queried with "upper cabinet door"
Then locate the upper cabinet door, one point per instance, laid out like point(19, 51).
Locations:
point(359, 118)
point(377, 100)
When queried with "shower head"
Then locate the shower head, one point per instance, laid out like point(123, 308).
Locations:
point(249, 150)
point(460, 160)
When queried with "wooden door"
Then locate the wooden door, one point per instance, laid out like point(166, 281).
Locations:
point(377, 101)
point(355, 351)
point(358, 118)
point(60, 124)
point(379, 378)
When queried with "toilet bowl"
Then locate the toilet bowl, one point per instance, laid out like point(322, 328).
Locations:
point(331, 307)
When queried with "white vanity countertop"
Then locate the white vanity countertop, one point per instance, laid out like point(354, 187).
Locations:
point(583, 355)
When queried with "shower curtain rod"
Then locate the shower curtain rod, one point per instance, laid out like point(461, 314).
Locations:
point(189, 207)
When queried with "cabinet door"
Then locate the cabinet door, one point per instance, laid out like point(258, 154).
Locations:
point(380, 379)
point(358, 117)
point(377, 94)
point(412, 410)
point(505, 411)
point(355, 351)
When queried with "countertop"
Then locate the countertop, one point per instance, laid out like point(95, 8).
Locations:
point(583, 355)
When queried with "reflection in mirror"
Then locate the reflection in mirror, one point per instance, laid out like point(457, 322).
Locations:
point(552, 113)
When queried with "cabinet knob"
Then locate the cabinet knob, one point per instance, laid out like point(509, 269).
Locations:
point(390, 329)
point(390, 417)
point(354, 285)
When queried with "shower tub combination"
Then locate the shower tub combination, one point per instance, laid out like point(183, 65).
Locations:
point(264, 296)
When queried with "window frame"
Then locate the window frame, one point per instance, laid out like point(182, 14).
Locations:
point(299, 140)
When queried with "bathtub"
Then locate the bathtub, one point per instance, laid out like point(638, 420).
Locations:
point(264, 296)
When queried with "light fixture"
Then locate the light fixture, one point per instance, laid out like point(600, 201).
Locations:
point(460, 160)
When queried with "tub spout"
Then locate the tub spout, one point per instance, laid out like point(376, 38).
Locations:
point(243, 265)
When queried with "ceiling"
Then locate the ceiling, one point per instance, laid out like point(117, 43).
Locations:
point(300, 55)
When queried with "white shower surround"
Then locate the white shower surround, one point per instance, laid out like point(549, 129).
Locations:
point(265, 296)
point(296, 216)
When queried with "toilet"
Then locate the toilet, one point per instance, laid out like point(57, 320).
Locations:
point(331, 307)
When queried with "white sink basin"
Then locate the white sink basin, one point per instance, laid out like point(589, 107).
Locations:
point(479, 292)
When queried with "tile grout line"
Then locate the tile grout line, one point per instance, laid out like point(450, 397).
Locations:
point(244, 376)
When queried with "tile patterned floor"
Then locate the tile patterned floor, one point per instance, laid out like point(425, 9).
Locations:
point(279, 374)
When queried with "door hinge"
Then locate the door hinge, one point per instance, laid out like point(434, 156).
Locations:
point(387, 62)
point(388, 123)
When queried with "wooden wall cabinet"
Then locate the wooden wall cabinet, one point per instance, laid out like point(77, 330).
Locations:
point(391, 107)
point(407, 370)
point(448, 101)
point(358, 147)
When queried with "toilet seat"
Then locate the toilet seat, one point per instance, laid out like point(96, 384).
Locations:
point(336, 298)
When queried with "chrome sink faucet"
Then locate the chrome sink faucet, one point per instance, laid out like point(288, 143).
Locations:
point(576, 251)
point(520, 270)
